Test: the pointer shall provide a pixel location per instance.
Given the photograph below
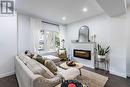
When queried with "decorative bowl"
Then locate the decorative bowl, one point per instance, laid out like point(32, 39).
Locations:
point(71, 63)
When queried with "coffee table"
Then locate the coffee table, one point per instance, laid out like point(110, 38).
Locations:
point(78, 66)
point(65, 66)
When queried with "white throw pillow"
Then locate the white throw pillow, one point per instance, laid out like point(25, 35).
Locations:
point(61, 52)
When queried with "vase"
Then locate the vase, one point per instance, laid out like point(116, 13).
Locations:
point(101, 56)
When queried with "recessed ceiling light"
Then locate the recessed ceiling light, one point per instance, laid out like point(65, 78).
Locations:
point(85, 9)
point(63, 18)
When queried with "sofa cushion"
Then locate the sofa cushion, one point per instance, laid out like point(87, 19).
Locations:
point(55, 59)
point(51, 66)
point(40, 69)
point(24, 58)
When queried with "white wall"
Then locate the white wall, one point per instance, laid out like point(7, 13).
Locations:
point(24, 33)
point(118, 46)
point(109, 31)
point(8, 44)
point(128, 44)
point(15, 37)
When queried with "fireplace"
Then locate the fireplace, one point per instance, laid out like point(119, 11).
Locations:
point(84, 54)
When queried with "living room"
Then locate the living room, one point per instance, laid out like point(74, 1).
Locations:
point(87, 41)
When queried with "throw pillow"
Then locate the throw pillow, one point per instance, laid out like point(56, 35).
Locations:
point(35, 56)
point(51, 66)
point(62, 54)
point(29, 53)
point(40, 69)
point(40, 59)
point(55, 59)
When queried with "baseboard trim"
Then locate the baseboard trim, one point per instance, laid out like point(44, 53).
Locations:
point(6, 74)
point(118, 74)
point(90, 66)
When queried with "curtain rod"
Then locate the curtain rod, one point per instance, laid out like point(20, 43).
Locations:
point(50, 23)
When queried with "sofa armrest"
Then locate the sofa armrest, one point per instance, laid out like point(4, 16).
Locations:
point(44, 82)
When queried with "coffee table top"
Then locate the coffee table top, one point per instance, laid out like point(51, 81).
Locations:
point(65, 66)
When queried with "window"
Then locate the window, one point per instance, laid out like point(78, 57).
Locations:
point(52, 40)
point(57, 40)
point(49, 38)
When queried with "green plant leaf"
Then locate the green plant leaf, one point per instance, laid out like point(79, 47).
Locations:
point(102, 51)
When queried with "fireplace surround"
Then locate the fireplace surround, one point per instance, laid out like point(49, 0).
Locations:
point(83, 47)
point(83, 54)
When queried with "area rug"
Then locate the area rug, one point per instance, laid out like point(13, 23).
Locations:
point(92, 79)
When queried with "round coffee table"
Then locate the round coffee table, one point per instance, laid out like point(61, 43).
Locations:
point(78, 66)
point(65, 66)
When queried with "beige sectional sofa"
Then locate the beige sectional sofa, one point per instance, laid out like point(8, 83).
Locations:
point(31, 73)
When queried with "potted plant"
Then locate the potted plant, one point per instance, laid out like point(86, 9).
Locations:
point(102, 51)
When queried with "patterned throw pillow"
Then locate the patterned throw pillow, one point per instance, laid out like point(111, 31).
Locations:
point(40, 69)
point(40, 59)
point(51, 66)
point(48, 63)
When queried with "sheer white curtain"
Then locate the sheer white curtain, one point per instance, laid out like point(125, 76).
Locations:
point(62, 35)
point(50, 32)
point(24, 41)
point(28, 33)
point(36, 26)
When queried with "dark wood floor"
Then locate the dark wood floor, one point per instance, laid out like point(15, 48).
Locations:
point(114, 81)
point(9, 81)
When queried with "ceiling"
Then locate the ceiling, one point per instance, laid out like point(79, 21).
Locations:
point(113, 8)
point(128, 2)
point(54, 10)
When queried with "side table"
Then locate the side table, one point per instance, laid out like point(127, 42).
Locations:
point(105, 62)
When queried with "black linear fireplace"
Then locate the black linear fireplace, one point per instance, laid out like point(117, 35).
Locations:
point(84, 54)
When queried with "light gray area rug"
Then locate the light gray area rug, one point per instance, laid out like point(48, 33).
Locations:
point(92, 79)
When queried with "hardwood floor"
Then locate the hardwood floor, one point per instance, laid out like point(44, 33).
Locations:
point(9, 81)
point(114, 81)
